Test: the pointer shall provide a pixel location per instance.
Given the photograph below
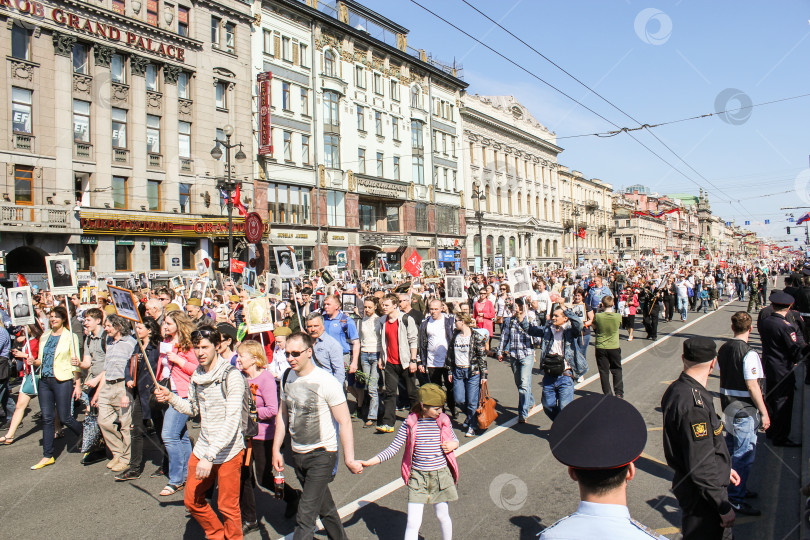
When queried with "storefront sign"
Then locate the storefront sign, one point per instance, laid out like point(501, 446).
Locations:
point(385, 189)
point(424, 242)
point(265, 140)
point(103, 224)
point(110, 32)
point(89, 240)
point(158, 242)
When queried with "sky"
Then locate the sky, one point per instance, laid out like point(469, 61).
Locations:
point(657, 62)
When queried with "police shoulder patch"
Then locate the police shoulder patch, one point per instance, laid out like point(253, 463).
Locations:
point(646, 530)
point(700, 431)
point(719, 430)
point(793, 336)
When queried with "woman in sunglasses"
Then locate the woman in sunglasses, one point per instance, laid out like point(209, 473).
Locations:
point(176, 364)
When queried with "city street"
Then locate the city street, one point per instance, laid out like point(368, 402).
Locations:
point(510, 487)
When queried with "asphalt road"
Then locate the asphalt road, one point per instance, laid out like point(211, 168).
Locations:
point(510, 486)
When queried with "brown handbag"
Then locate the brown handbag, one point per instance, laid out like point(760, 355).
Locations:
point(486, 408)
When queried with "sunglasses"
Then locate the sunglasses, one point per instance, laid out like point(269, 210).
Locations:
point(197, 335)
point(295, 354)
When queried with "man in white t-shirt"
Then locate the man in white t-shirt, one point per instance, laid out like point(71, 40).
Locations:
point(312, 401)
point(541, 302)
point(435, 333)
point(683, 286)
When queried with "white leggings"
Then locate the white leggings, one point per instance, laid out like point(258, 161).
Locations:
point(415, 520)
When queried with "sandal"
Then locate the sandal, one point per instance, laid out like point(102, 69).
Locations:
point(6, 440)
point(171, 489)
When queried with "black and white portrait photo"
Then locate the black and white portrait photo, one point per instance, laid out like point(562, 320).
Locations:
point(285, 262)
point(201, 268)
point(349, 301)
point(143, 281)
point(124, 303)
point(274, 285)
point(387, 279)
point(249, 279)
point(520, 280)
point(198, 288)
point(328, 275)
point(454, 288)
point(430, 270)
point(22, 312)
point(285, 290)
point(176, 283)
point(61, 277)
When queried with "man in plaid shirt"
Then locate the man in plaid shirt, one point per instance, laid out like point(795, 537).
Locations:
point(518, 347)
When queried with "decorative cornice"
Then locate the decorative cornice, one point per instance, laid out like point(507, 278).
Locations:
point(487, 120)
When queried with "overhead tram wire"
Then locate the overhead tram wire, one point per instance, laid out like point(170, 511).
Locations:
point(590, 90)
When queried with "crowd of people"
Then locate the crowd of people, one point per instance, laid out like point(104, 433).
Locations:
point(281, 395)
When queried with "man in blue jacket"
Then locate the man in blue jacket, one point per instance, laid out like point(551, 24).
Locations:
point(597, 291)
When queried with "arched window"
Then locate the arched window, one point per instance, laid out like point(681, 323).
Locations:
point(488, 194)
point(548, 250)
point(415, 94)
point(509, 201)
point(329, 67)
point(555, 248)
point(520, 203)
point(545, 208)
point(537, 204)
point(490, 242)
point(498, 196)
point(539, 247)
point(502, 245)
point(553, 217)
point(512, 247)
point(528, 204)
point(477, 245)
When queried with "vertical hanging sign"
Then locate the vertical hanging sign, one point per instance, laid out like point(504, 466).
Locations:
point(265, 141)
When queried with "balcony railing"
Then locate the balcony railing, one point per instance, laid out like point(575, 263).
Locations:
point(37, 217)
point(82, 150)
point(24, 141)
point(155, 161)
point(120, 155)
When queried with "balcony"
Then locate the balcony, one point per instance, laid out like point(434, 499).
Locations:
point(121, 155)
point(591, 205)
point(186, 165)
point(24, 141)
point(82, 150)
point(154, 161)
point(38, 218)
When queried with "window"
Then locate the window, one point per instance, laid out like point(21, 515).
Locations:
point(520, 202)
point(380, 164)
point(157, 256)
point(119, 128)
point(152, 134)
point(359, 76)
point(123, 255)
point(302, 55)
point(330, 106)
point(184, 135)
point(453, 145)
point(221, 95)
point(392, 218)
point(185, 198)
point(216, 22)
point(336, 208)
point(415, 97)
point(394, 90)
point(119, 191)
point(285, 96)
point(396, 167)
point(153, 195)
point(118, 72)
point(361, 119)
point(421, 214)
point(378, 84)
point(304, 101)
point(418, 170)
point(455, 181)
point(268, 41)
point(444, 144)
point(361, 160)
point(288, 204)
point(182, 86)
point(80, 63)
point(152, 78)
point(119, 6)
point(378, 123)
point(286, 49)
point(509, 201)
point(21, 110)
point(416, 134)
point(498, 196)
point(85, 257)
point(20, 42)
point(152, 12)
point(187, 255)
point(446, 184)
point(331, 150)
point(230, 37)
point(287, 146)
point(447, 219)
point(436, 176)
point(23, 184)
point(305, 149)
point(329, 64)
point(368, 217)
point(182, 20)
point(81, 121)
point(395, 128)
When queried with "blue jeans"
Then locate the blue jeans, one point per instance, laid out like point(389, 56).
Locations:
point(178, 445)
point(558, 391)
point(368, 364)
point(741, 440)
point(522, 370)
point(467, 392)
point(683, 306)
point(55, 396)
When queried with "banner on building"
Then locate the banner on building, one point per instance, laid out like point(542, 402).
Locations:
point(265, 140)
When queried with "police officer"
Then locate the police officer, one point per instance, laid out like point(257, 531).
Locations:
point(694, 446)
point(782, 349)
point(792, 316)
point(583, 437)
point(801, 292)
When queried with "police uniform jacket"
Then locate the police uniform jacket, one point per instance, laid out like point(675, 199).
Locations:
point(793, 317)
point(781, 348)
point(802, 303)
point(694, 446)
point(596, 520)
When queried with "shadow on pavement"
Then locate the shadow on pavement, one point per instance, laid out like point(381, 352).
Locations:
point(530, 526)
point(382, 522)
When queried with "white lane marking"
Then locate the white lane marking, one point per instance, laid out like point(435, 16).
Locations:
point(394, 485)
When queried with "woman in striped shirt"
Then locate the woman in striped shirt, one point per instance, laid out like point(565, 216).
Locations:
point(429, 466)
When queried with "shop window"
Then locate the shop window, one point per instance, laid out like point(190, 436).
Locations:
point(157, 257)
point(123, 255)
point(85, 257)
point(187, 255)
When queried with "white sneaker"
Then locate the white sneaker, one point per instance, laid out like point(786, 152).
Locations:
point(470, 432)
point(581, 378)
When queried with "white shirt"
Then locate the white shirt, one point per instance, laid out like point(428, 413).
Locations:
point(462, 350)
point(543, 300)
point(437, 342)
point(752, 366)
point(309, 400)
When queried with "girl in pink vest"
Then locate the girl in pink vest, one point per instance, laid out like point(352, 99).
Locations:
point(429, 467)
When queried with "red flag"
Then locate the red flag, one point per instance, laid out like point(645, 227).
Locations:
point(21, 281)
point(237, 200)
point(237, 266)
point(414, 265)
point(581, 232)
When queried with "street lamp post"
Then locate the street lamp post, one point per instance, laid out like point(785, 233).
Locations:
point(479, 196)
point(227, 183)
point(576, 213)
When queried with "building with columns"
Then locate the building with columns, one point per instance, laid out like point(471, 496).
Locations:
point(586, 210)
point(511, 159)
point(637, 237)
point(113, 109)
point(365, 134)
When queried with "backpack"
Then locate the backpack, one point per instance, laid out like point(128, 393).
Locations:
point(250, 417)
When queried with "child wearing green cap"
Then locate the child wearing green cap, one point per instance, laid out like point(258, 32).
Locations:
point(429, 466)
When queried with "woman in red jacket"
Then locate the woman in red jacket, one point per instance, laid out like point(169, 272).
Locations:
point(630, 298)
point(484, 313)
